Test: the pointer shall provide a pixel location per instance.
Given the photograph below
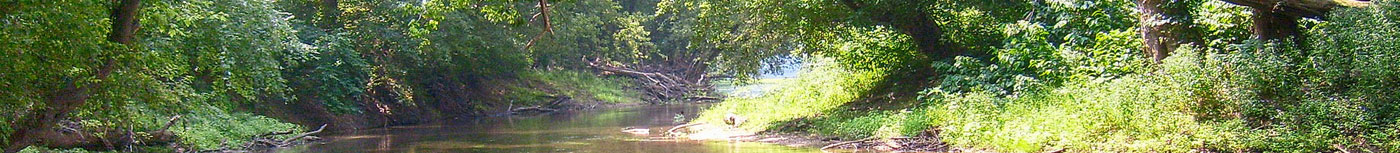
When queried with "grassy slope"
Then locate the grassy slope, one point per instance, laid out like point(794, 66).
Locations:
point(533, 87)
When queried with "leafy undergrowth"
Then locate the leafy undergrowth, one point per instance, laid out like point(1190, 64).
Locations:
point(1191, 102)
point(200, 128)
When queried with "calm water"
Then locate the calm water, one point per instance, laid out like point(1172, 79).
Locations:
point(588, 131)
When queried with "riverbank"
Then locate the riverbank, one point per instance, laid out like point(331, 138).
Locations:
point(921, 143)
point(1177, 107)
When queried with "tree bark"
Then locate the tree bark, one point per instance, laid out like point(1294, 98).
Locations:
point(1278, 19)
point(330, 14)
point(548, 28)
point(1316, 9)
point(1269, 25)
point(1164, 28)
point(39, 121)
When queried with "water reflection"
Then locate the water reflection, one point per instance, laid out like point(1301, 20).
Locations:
point(590, 131)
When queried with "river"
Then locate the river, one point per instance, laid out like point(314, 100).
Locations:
point(584, 131)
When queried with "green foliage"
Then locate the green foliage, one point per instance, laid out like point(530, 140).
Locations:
point(1223, 24)
point(332, 73)
point(872, 49)
point(1135, 113)
point(1340, 93)
point(47, 44)
point(967, 74)
point(1038, 75)
point(215, 129)
point(1071, 75)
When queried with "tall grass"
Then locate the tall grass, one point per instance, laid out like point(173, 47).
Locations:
point(1136, 113)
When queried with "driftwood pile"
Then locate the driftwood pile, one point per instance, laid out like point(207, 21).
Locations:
point(661, 84)
point(559, 102)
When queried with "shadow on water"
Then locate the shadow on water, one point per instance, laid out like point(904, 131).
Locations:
point(587, 131)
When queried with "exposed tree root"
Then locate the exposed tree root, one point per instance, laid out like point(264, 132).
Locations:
point(70, 134)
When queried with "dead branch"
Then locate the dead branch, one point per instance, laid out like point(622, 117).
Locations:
point(672, 131)
point(848, 142)
point(702, 98)
point(533, 108)
point(289, 140)
point(169, 123)
point(548, 28)
point(264, 135)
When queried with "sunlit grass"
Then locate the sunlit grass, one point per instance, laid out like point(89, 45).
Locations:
point(820, 88)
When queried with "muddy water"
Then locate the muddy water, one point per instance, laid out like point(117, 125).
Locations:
point(587, 131)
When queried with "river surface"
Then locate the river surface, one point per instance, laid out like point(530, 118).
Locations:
point(586, 131)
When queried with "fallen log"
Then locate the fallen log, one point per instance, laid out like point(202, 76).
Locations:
point(533, 108)
point(264, 135)
point(559, 101)
point(288, 141)
point(701, 98)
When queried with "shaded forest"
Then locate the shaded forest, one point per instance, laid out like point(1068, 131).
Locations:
point(991, 75)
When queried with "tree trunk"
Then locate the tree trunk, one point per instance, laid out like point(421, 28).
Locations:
point(1269, 25)
point(924, 32)
point(330, 14)
point(39, 121)
point(1316, 9)
point(1164, 27)
point(1278, 19)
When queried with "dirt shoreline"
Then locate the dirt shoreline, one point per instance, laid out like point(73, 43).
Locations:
point(924, 142)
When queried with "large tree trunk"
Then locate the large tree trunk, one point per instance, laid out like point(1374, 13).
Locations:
point(1316, 9)
point(39, 121)
point(1269, 25)
point(1278, 19)
point(330, 14)
point(1164, 28)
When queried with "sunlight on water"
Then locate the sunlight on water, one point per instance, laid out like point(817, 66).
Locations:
point(590, 131)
